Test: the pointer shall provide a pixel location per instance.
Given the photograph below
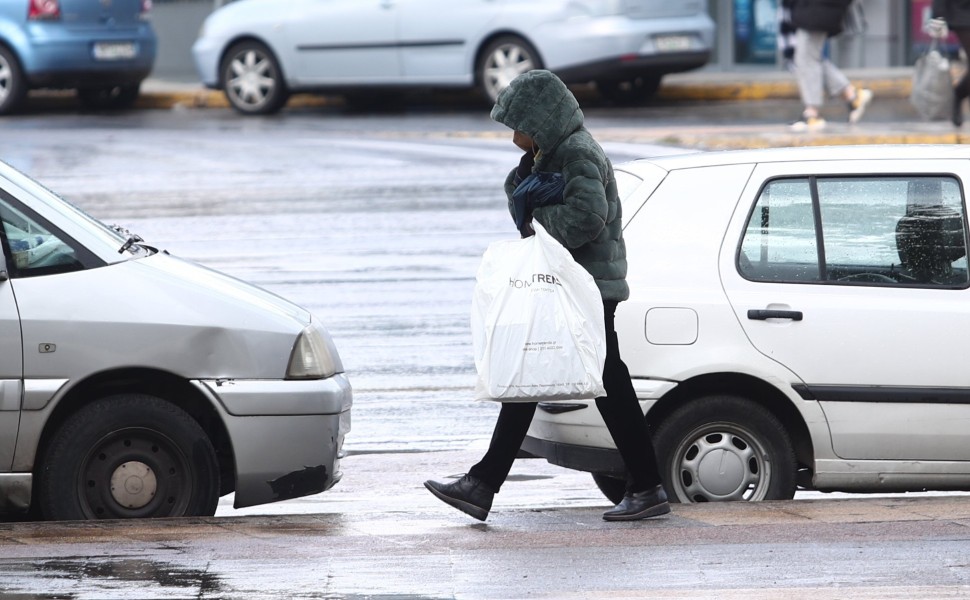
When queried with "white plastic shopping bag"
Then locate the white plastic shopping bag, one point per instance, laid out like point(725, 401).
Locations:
point(932, 93)
point(537, 324)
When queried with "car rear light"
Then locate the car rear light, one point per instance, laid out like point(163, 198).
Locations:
point(146, 9)
point(44, 10)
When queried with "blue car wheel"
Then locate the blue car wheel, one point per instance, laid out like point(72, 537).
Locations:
point(13, 87)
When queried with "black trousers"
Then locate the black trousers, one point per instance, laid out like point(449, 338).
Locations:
point(962, 87)
point(620, 410)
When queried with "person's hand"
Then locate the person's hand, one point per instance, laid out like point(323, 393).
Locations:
point(936, 28)
point(527, 230)
point(526, 163)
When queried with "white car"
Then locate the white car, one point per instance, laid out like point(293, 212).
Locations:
point(798, 318)
point(261, 51)
point(137, 384)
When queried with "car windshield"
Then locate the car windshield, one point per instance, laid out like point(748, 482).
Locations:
point(111, 235)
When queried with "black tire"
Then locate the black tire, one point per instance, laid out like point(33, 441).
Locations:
point(612, 487)
point(630, 92)
point(109, 98)
point(252, 79)
point(162, 456)
point(13, 85)
point(722, 448)
point(504, 59)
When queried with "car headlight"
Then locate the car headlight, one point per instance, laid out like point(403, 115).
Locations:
point(314, 355)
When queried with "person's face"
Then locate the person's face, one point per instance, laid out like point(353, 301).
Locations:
point(523, 141)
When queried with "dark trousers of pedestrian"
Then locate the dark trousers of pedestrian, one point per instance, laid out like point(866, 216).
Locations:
point(619, 408)
point(962, 87)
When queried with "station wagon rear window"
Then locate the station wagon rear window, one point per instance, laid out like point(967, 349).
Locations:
point(884, 231)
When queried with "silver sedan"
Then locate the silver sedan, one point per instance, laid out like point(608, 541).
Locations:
point(261, 51)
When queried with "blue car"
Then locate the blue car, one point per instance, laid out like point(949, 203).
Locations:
point(101, 48)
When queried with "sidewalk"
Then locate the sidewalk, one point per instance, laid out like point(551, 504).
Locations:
point(901, 125)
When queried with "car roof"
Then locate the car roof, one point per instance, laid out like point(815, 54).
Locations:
point(805, 153)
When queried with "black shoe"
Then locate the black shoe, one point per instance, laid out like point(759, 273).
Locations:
point(469, 494)
point(640, 505)
point(957, 116)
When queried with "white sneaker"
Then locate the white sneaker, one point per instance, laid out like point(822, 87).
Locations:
point(857, 107)
point(808, 124)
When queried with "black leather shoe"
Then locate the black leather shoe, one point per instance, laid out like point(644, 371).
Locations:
point(469, 494)
point(640, 505)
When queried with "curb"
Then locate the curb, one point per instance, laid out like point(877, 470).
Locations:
point(698, 91)
point(770, 90)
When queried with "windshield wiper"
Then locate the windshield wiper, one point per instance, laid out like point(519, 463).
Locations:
point(130, 238)
point(131, 241)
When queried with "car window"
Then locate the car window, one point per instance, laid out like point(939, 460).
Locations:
point(33, 247)
point(858, 231)
point(626, 183)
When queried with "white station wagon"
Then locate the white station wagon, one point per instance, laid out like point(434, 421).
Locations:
point(137, 384)
point(798, 318)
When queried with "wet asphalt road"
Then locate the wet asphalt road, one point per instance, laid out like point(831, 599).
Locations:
point(397, 543)
point(376, 223)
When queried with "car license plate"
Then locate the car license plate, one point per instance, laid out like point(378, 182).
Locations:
point(672, 43)
point(114, 50)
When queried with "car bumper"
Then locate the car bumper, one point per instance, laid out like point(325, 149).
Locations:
point(286, 435)
point(615, 47)
point(631, 66)
point(54, 57)
point(573, 434)
point(580, 458)
point(206, 52)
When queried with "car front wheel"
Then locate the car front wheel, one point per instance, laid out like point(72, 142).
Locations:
point(612, 487)
point(252, 79)
point(128, 456)
point(722, 448)
point(502, 61)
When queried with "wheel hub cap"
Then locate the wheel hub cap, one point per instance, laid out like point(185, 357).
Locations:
point(133, 484)
point(720, 466)
point(721, 472)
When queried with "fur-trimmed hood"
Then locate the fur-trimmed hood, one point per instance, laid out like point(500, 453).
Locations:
point(539, 104)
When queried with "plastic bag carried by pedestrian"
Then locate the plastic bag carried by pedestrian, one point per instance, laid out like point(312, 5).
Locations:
point(537, 324)
point(932, 93)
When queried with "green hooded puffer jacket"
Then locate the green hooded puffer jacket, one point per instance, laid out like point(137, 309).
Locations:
point(588, 223)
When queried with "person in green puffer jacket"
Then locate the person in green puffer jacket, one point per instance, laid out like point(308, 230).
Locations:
point(547, 125)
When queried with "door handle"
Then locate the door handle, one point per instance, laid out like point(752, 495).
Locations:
point(763, 314)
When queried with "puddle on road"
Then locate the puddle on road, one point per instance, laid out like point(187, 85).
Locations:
point(101, 577)
point(104, 578)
